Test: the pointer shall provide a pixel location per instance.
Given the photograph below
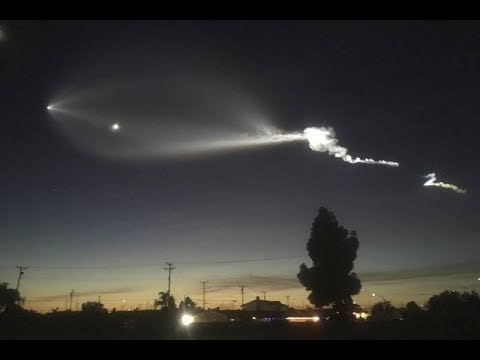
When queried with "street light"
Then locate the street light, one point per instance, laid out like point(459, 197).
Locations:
point(123, 303)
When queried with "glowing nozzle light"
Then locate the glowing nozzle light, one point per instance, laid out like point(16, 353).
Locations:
point(432, 182)
point(324, 140)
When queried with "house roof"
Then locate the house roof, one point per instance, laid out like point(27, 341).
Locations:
point(258, 301)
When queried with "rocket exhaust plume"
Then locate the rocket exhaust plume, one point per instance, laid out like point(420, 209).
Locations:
point(323, 139)
point(432, 182)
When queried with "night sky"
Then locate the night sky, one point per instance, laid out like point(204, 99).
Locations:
point(85, 216)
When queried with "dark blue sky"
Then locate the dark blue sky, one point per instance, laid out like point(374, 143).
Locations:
point(400, 90)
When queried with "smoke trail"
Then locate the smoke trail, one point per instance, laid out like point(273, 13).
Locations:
point(432, 182)
point(323, 139)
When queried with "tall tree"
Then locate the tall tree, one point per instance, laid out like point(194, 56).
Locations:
point(333, 250)
point(165, 301)
point(9, 297)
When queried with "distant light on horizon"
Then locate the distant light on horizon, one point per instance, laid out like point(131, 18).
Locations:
point(303, 318)
point(361, 315)
point(115, 127)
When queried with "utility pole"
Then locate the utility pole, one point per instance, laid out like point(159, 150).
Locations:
point(203, 282)
point(264, 295)
point(288, 300)
point(99, 299)
point(21, 271)
point(169, 269)
point(242, 287)
point(71, 298)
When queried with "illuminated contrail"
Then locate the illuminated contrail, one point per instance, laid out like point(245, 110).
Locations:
point(145, 140)
point(432, 182)
point(324, 140)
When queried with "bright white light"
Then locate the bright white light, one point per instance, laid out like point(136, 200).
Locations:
point(320, 139)
point(49, 107)
point(303, 318)
point(373, 294)
point(323, 139)
point(361, 315)
point(187, 319)
point(115, 127)
point(432, 182)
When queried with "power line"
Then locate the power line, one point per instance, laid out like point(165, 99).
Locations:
point(156, 264)
point(240, 261)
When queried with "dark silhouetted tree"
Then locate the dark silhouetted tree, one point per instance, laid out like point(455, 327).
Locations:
point(187, 305)
point(384, 311)
point(165, 301)
point(455, 315)
point(412, 312)
point(162, 300)
point(9, 298)
point(454, 304)
point(94, 307)
point(412, 307)
point(171, 303)
point(332, 250)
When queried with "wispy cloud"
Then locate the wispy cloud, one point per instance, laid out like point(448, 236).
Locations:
point(423, 272)
point(278, 283)
point(82, 294)
point(271, 283)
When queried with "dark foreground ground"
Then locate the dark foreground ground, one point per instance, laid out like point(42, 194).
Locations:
point(311, 331)
point(158, 325)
